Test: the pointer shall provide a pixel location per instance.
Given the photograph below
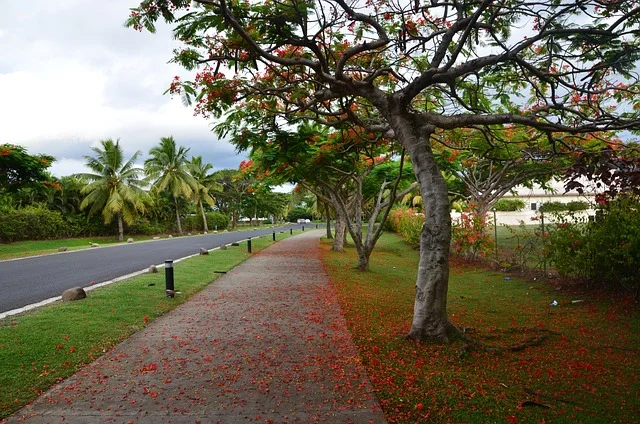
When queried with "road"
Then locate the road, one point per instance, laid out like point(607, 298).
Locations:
point(31, 280)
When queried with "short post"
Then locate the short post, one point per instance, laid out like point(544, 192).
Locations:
point(168, 277)
point(249, 245)
point(290, 231)
point(316, 226)
point(495, 231)
point(303, 228)
point(274, 236)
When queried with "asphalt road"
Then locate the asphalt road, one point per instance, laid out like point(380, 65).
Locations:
point(31, 280)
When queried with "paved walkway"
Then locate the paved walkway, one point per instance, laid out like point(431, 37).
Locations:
point(265, 343)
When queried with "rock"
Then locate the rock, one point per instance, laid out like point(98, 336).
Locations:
point(156, 238)
point(153, 269)
point(223, 247)
point(75, 293)
point(95, 245)
point(204, 251)
point(235, 244)
point(188, 234)
point(205, 232)
point(62, 249)
point(129, 240)
point(170, 236)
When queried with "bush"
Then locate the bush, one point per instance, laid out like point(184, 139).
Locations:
point(469, 236)
point(408, 223)
point(32, 223)
point(606, 251)
point(556, 206)
point(215, 220)
point(509, 205)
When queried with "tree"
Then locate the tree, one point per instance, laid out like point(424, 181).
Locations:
point(19, 169)
point(235, 187)
point(114, 189)
point(205, 183)
point(409, 70)
point(167, 167)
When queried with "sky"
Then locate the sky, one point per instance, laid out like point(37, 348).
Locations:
point(71, 75)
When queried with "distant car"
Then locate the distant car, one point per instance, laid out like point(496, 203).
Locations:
point(303, 221)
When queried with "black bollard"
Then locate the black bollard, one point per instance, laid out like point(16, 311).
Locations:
point(168, 277)
point(249, 245)
point(274, 236)
point(291, 231)
point(303, 228)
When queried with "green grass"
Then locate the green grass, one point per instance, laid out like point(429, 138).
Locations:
point(589, 358)
point(44, 346)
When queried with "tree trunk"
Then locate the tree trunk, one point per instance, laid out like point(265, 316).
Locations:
point(430, 321)
point(234, 221)
point(363, 259)
point(341, 232)
point(327, 212)
point(178, 217)
point(120, 228)
point(204, 217)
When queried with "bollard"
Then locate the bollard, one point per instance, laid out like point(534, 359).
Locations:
point(303, 228)
point(290, 231)
point(168, 277)
point(316, 226)
point(274, 236)
point(249, 245)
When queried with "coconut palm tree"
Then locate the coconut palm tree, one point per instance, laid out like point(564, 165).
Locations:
point(114, 189)
point(206, 184)
point(167, 168)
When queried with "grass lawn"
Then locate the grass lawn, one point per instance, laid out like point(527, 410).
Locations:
point(44, 346)
point(587, 369)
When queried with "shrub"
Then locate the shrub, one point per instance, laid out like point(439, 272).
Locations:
point(32, 223)
point(469, 236)
point(606, 251)
point(556, 206)
point(509, 205)
point(215, 220)
point(408, 223)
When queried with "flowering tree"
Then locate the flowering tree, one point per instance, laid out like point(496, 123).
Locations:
point(18, 168)
point(407, 69)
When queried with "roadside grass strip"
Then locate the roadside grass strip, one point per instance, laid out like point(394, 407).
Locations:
point(530, 362)
point(46, 345)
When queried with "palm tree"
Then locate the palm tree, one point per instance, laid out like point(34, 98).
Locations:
point(200, 172)
point(167, 167)
point(114, 188)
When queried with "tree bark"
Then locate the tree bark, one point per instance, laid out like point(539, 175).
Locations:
point(430, 321)
point(328, 214)
point(178, 217)
point(120, 228)
point(341, 233)
point(205, 226)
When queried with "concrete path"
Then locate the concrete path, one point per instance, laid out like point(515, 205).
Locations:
point(265, 343)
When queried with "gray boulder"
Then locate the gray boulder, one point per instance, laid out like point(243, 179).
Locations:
point(204, 251)
point(62, 249)
point(75, 293)
point(153, 269)
point(129, 240)
point(170, 236)
point(95, 245)
point(223, 247)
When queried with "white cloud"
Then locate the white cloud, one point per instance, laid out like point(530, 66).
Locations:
point(71, 75)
